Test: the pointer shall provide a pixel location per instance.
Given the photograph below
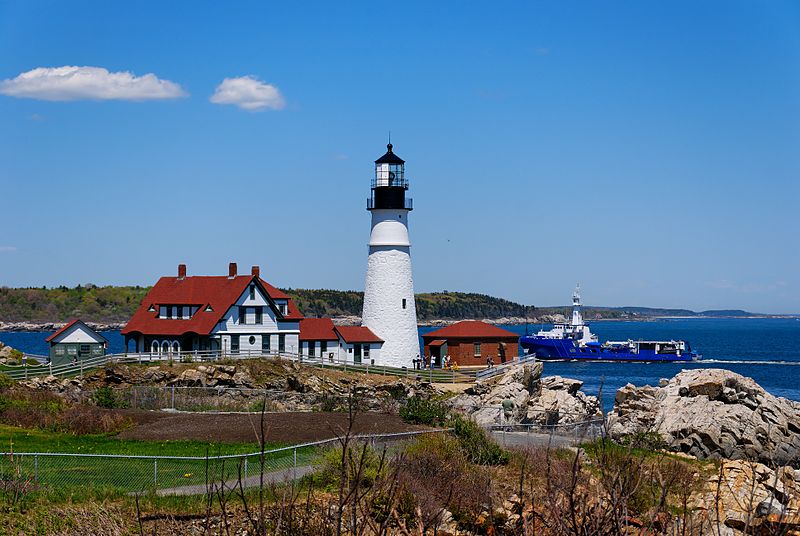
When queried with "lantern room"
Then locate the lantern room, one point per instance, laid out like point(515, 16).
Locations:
point(389, 185)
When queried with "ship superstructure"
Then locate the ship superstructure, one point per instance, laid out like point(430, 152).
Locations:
point(575, 341)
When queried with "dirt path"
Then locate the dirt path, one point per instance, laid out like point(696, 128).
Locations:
point(298, 427)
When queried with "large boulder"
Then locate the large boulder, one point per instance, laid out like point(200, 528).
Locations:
point(711, 413)
point(547, 401)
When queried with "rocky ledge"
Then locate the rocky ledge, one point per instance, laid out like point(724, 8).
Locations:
point(6, 353)
point(287, 385)
point(552, 400)
point(711, 413)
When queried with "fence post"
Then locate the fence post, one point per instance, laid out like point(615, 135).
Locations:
point(36, 468)
point(81, 362)
point(245, 467)
point(173, 398)
point(295, 457)
point(155, 472)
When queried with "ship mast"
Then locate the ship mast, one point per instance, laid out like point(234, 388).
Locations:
point(577, 317)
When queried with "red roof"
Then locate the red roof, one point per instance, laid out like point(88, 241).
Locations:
point(69, 325)
point(317, 329)
point(351, 334)
point(470, 329)
point(219, 292)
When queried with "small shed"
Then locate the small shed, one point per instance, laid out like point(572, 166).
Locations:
point(470, 343)
point(75, 341)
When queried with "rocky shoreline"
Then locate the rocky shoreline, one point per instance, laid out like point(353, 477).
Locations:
point(54, 326)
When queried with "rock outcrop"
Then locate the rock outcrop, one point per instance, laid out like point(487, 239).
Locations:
point(750, 498)
point(548, 401)
point(287, 386)
point(6, 353)
point(711, 413)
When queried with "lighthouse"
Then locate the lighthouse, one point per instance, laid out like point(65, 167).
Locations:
point(389, 309)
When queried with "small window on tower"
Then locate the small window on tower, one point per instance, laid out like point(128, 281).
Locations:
point(252, 292)
point(404, 303)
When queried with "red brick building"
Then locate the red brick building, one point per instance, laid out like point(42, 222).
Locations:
point(470, 342)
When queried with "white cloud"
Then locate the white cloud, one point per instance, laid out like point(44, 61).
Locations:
point(8, 249)
point(248, 93)
point(77, 83)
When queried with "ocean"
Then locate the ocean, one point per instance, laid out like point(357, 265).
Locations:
point(765, 349)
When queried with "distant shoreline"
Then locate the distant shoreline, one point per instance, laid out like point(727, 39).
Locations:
point(35, 327)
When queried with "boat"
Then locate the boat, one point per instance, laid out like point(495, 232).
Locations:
point(575, 341)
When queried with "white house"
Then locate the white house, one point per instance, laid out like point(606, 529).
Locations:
point(231, 314)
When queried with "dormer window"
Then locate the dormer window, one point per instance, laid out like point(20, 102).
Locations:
point(282, 308)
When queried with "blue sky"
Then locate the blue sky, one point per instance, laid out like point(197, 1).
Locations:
point(648, 150)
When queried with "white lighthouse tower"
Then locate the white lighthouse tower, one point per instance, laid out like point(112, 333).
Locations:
point(389, 308)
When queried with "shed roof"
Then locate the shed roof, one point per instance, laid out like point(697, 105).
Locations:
point(467, 329)
point(68, 326)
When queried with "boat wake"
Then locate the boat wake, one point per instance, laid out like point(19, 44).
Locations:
point(748, 362)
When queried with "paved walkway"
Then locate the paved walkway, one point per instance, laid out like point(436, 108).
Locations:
point(534, 439)
point(253, 481)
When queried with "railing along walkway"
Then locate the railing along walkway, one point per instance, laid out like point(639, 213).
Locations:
point(503, 368)
point(81, 367)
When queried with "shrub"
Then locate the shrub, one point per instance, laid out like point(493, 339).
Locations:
point(5, 381)
point(476, 444)
point(424, 411)
point(15, 356)
point(434, 473)
point(645, 441)
point(105, 397)
point(331, 471)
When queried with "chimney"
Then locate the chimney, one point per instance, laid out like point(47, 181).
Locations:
point(232, 270)
point(181, 271)
point(256, 271)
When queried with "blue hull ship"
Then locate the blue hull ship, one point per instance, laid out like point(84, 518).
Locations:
point(575, 341)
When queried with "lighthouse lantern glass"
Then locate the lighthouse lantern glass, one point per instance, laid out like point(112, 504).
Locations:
point(389, 174)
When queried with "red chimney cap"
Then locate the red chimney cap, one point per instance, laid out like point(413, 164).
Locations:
point(181, 271)
point(232, 269)
point(256, 271)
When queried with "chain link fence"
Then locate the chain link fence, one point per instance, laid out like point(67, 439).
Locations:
point(172, 475)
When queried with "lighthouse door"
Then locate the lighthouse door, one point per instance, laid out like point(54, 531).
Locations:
point(357, 354)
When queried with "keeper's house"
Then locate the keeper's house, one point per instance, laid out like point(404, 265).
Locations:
point(470, 343)
point(233, 314)
point(319, 337)
point(75, 341)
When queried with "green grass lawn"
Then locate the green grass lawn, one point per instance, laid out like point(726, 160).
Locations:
point(27, 440)
point(128, 474)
